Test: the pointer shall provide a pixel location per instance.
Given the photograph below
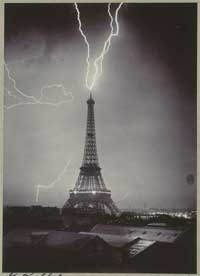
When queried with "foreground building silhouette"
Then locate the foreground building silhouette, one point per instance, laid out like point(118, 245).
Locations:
point(90, 193)
point(105, 248)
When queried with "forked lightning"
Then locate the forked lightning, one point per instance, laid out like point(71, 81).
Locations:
point(31, 99)
point(98, 62)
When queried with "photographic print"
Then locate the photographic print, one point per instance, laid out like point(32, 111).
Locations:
point(100, 138)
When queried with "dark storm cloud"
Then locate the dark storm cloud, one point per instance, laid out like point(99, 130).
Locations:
point(145, 102)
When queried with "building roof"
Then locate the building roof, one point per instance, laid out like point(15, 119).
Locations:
point(113, 240)
point(132, 246)
point(69, 240)
point(146, 233)
point(51, 239)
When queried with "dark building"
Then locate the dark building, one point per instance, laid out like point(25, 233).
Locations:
point(151, 249)
point(43, 251)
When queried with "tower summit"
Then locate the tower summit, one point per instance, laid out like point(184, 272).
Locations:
point(90, 192)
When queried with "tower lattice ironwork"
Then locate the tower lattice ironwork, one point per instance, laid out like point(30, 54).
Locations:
point(90, 192)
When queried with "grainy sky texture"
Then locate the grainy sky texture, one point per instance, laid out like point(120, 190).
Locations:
point(145, 102)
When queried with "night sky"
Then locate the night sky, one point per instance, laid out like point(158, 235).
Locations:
point(145, 102)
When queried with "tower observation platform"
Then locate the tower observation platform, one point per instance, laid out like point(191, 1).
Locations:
point(90, 192)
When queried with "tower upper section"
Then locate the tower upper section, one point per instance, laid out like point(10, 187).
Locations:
point(90, 157)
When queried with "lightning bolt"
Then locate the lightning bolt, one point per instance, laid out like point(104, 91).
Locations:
point(53, 183)
point(98, 62)
point(31, 99)
point(10, 93)
point(14, 85)
point(107, 44)
point(87, 44)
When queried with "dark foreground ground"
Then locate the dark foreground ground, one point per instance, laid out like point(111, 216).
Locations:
point(92, 255)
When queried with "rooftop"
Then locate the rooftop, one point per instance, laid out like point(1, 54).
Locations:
point(59, 239)
point(146, 233)
point(113, 240)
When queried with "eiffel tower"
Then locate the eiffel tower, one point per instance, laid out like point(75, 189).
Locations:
point(90, 192)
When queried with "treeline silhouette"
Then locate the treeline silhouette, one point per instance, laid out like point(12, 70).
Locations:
point(51, 218)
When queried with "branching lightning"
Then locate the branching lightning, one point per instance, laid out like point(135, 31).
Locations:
point(14, 85)
point(89, 80)
point(53, 183)
point(31, 99)
point(87, 44)
point(98, 62)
